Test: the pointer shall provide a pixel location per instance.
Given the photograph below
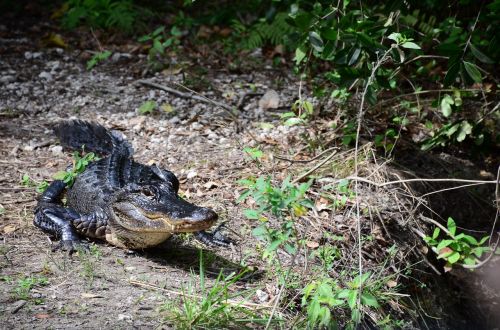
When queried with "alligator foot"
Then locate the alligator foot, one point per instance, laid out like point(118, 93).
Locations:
point(71, 246)
point(213, 239)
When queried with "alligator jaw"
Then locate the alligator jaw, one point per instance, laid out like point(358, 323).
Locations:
point(135, 219)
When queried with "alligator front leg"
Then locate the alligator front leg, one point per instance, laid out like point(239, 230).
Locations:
point(56, 220)
point(213, 239)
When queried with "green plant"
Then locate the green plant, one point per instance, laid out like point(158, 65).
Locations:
point(286, 202)
point(80, 163)
point(457, 248)
point(147, 107)
point(273, 30)
point(301, 111)
point(88, 262)
point(320, 297)
point(106, 14)
point(29, 182)
point(98, 57)
point(214, 307)
point(25, 284)
point(386, 140)
point(327, 254)
point(158, 41)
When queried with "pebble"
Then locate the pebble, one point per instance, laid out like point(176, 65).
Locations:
point(124, 317)
point(7, 79)
point(57, 150)
point(32, 55)
point(191, 174)
point(262, 296)
point(174, 120)
point(45, 75)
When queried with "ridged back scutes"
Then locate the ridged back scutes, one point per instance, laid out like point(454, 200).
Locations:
point(96, 138)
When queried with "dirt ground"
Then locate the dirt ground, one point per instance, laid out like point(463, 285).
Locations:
point(199, 142)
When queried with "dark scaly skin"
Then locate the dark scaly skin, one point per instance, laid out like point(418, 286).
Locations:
point(118, 200)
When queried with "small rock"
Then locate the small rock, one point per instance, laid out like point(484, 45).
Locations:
point(124, 317)
point(36, 55)
point(7, 79)
point(17, 306)
point(270, 100)
point(57, 150)
point(54, 65)
point(262, 296)
point(191, 174)
point(174, 120)
point(45, 75)
point(28, 55)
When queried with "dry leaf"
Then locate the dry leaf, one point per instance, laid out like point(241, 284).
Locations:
point(42, 316)
point(210, 185)
point(391, 284)
point(312, 244)
point(9, 229)
point(54, 40)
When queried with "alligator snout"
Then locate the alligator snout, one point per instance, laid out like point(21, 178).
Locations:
point(204, 214)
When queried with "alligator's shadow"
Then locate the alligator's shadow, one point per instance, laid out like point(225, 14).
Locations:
point(192, 258)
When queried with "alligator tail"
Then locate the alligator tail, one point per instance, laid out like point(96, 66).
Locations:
point(93, 137)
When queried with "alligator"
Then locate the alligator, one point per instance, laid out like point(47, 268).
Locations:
point(116, 199)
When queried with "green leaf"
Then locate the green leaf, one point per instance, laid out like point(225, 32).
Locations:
point(465, 129)
point(356, 316)
point(452, 73)
point(446, 104)
point(260, 231)
point(483, 240)
point(293, 121)
point(254, 153)
point(479, 55)
point(444, 243)
point(308, 107)
point(352, 298)
point(452, 226)
point(472, 71)
point(469, 261)
point(453, 257)
point(61, 175)
point(299, 55)
point(395, 36)
point(410, 45)
point(251, 214)
point(316, 41)
point(147, 107)
point(435, 234)
point(368, 299)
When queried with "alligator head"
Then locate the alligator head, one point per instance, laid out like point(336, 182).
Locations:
point(146, 214)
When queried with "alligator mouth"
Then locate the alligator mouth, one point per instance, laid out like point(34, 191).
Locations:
point(136, 219)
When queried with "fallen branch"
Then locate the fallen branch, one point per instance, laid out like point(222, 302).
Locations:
point(190, 95)
point(361, 179)
point(315, 167)
point(304, 160)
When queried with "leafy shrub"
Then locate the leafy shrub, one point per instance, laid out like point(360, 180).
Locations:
point(105, 14)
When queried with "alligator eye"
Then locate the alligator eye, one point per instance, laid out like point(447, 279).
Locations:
point(147, 192)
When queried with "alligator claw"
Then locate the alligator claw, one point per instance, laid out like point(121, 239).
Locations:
point(71, 246)
point(213, 239)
